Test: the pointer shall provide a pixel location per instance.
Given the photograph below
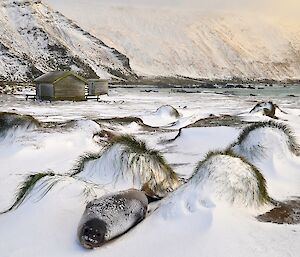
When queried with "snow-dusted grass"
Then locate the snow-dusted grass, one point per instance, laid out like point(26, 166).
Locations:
point(26, 187)
point(14, 121)
point(272, 147)
point(232, 178)
point(289, 139)
point(222, 180)
point(129, 160)
point(163, 116)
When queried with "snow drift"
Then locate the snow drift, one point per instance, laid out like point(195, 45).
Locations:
point(125, 163)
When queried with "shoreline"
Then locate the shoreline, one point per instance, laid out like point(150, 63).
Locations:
point(171, 82)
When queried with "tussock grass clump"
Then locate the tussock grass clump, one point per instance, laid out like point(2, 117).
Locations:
point(169, 110)
point(156, 175)
point(268, 109)
point(26, 187)
point(231, 178)
point(13, 121)
point(127, 158)
point(292, 143)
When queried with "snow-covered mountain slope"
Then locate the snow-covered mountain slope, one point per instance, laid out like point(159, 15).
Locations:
point(35, 39)
point(169, 41)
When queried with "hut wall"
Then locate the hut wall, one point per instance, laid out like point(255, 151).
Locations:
point(98, 87)
point(69, 88)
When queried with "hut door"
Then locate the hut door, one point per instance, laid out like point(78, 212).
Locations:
point(47, 90)
point(91, 89)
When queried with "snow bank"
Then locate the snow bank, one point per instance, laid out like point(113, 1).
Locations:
point(47, 148)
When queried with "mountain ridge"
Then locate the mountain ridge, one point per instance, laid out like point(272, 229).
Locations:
point(34, 39)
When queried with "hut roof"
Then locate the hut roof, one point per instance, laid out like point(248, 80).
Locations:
point(55, 76)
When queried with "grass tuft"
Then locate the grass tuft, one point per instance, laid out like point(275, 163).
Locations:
point(26, 187)
point(80, 163)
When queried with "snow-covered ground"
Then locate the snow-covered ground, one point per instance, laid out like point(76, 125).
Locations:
point(197, 219)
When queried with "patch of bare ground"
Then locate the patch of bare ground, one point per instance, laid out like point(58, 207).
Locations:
point(217, 121)
point(125, 121)
point(287, 212)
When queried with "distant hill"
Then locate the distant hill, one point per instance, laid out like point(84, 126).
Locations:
point(165, 41)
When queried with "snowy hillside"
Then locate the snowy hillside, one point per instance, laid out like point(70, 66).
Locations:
point(35, 39)
point(160, 39)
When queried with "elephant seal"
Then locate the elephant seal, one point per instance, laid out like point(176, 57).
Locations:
point(110, 216)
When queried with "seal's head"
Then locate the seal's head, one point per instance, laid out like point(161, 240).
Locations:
point(91, 234)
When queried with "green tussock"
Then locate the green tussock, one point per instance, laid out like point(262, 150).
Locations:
point(293, 145)
point(140, 147)
point(211, 154)
point(26, 187)
point(173, 112)
point(160, 175)
point(261, 182)
point(162, 178)
point(131, 143)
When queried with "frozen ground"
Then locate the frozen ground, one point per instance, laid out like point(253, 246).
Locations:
point(192, 221)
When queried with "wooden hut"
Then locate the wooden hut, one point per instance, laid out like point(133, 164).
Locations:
point(60, 85)
point(97, 87)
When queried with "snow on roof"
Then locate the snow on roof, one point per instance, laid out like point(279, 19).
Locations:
point(55, 76)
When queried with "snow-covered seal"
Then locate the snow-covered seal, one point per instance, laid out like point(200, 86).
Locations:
point(110, 216)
